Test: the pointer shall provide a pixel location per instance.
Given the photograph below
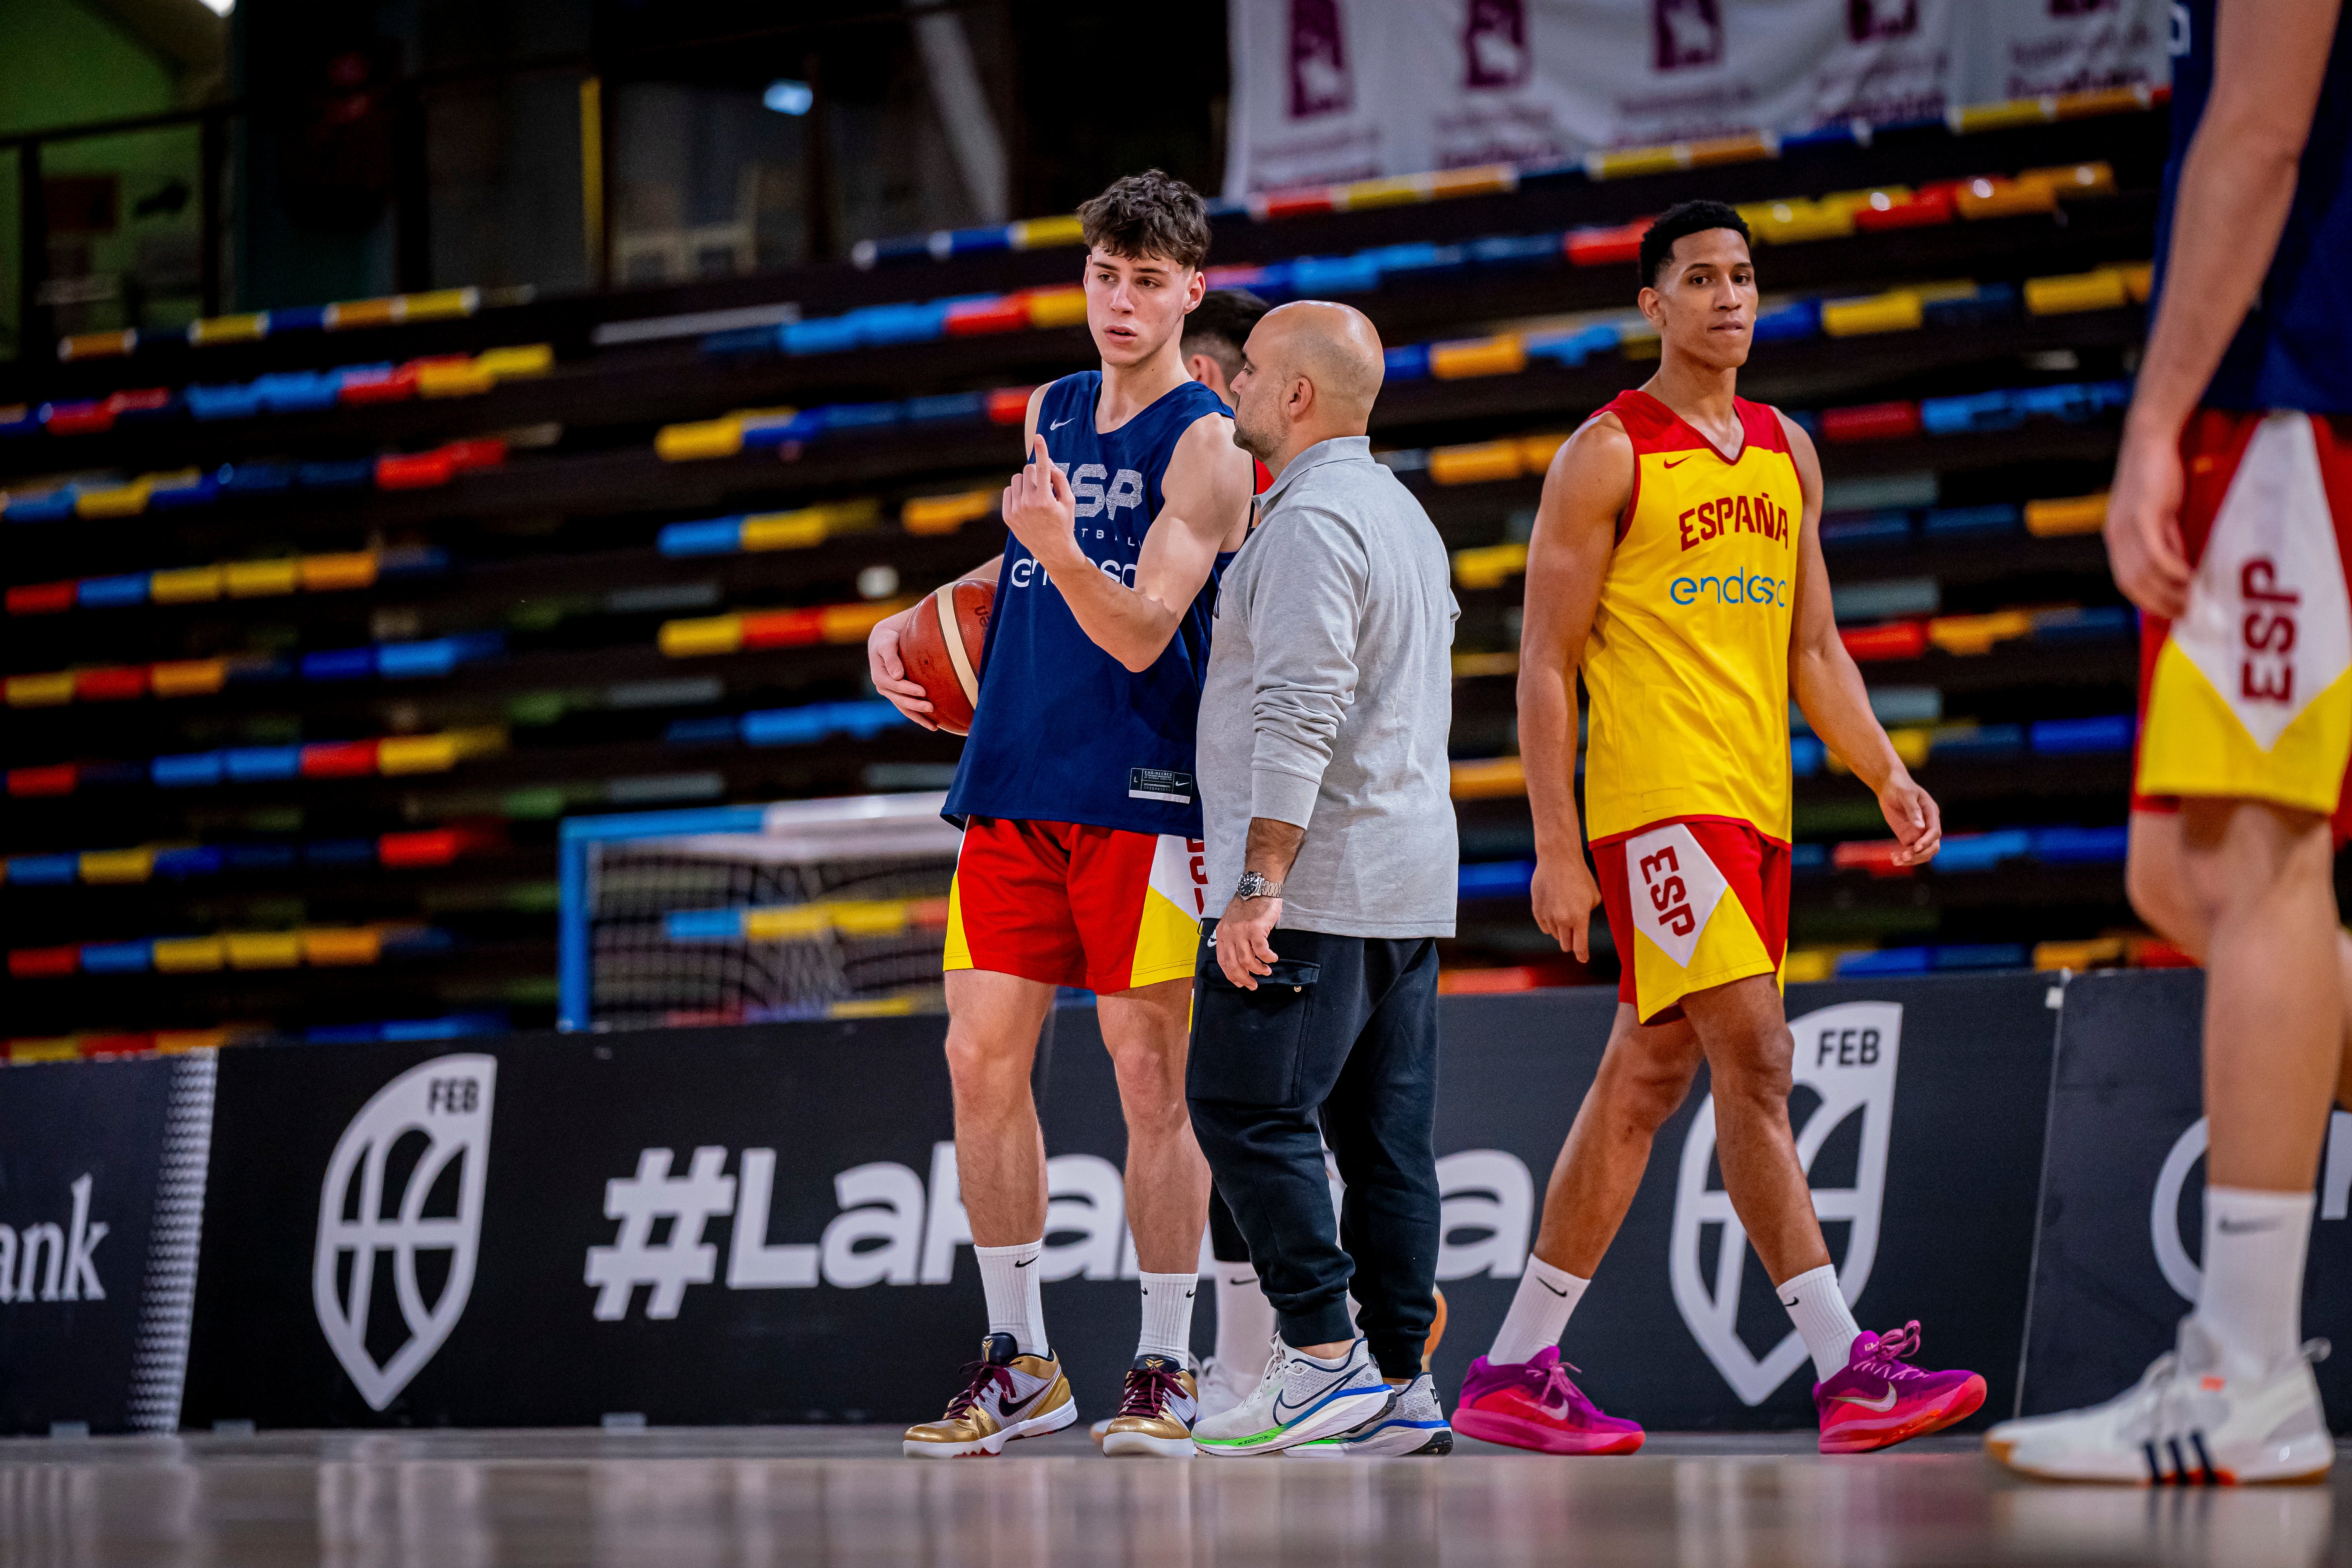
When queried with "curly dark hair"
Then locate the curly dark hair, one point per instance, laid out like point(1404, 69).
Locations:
point(1682, 218)
point(1149, 214)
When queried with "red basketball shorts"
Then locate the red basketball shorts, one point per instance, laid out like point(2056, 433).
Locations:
point(1693, 902)
point(1099, 909)
point(2248, 696)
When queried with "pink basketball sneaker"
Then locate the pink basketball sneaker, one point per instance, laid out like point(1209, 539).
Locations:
point(1881, 1399)
point(1532, 1405)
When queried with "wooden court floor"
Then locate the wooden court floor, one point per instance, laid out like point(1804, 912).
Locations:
point(680, 1497)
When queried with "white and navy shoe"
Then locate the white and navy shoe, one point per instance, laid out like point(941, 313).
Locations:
point(2183, 1424)
point(1414, 1426)
point(1297, 1401)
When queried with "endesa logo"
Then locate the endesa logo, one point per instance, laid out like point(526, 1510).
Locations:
point(1733, 514)
point(1096, 493)
point(1734, 589)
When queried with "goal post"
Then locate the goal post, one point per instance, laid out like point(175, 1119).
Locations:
point(749, 913)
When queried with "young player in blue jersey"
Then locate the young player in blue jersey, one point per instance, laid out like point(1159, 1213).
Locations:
point(2229, 525)
point(1081, 863)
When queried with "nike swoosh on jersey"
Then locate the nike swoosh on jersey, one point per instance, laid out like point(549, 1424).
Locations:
point(1676, 462)
point(1057, 423)
point(1882, 1404)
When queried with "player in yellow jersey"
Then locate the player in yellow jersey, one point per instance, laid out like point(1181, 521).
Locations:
point(1677, 561)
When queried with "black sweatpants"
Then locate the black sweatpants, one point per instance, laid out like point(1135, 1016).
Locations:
point(1343, 1035)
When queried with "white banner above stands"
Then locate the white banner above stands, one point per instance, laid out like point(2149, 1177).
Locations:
point(1325, 91)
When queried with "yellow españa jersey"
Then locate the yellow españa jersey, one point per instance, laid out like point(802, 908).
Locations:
point(1688, 663)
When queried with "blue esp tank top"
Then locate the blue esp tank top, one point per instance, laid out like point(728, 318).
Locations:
point(1063, 732)
point(2295, 349)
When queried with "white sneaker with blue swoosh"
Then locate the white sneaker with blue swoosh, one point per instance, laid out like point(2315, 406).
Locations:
point(1300, 1398)
point(1414, 1426)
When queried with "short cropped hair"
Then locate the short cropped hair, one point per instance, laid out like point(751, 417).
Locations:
point(1221, 324)
point(1149, 214)
point(1682, 218)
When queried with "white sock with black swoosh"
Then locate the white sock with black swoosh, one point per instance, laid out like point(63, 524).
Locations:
point(1168, 1316)
point(1539, 1312)
point(1008, 1276)
point(2252, 1304)
point(1818, 1307)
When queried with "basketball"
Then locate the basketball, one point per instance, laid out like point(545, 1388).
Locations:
point(948, 668)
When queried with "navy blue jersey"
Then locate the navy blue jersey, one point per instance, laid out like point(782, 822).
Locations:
point(2295, 350)
point(1063, 732)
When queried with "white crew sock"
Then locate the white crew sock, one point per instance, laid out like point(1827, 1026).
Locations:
point(1818, 1307)
point(1539, 1312)
point(1244, 1320)
point(1008, 1276)
point(2252, 1304)
point(1168, 1316)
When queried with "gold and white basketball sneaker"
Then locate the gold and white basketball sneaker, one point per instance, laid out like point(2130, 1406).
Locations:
point(1005, 1395)
point(1156, 1412)
point(2183, 1424)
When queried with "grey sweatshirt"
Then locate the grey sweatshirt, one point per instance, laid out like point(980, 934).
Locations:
point(1329, 693)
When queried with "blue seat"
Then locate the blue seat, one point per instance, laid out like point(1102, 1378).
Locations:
point(1495, 880)
point(96, 592)
point(339, 664)
point(417, 660)
point(2080, 737)
point(1791, 323)
point(187, 770)
point(117, 957)
point(259, 765)
point(2081, 846)
point(1408, 364)
point(190, 861)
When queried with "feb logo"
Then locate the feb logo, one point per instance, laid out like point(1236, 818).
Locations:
point(1846, 1054)
point(401, 1205)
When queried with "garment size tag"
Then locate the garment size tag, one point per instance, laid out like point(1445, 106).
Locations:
point(1159, 783)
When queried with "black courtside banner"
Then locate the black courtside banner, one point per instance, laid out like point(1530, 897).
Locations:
point(1919, 1109)
point(762, 1223)
point(2122, 1199)
point(101, 1195)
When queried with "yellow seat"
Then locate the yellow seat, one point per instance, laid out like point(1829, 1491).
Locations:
point(1490, 779)
point(713, 634)
point(1504, 355)
point(698, 440)
point(184, 585)
point(259, 579)
point(117, 865)
point(1474, 464)
point(1898, 311)
point(187, 677)
point(416, 754)
point(945, 514)
point(2074, 514)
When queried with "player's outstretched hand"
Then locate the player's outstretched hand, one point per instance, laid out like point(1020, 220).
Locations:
point(1245, 940)
point(1037, 505)
point(2143, 544)
point(1911, 811)
point(888, 671)
point(1563, 894)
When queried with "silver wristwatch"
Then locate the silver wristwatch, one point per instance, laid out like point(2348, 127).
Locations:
point(1254, 884)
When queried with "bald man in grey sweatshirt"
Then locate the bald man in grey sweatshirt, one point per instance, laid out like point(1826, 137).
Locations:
point(1324, 783)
